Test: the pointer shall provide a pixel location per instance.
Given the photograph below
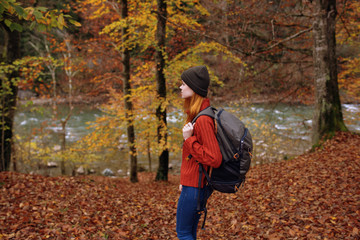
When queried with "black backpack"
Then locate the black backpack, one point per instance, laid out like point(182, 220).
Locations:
point(236, 147)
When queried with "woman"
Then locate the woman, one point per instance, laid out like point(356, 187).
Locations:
point(200, 145)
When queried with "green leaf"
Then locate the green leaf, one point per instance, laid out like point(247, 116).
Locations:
point(16, 26)
point(32, 25)
point(41, 9)
point(5, 4)
point(20, 11)
point(1, 9)
point(8, 22)
point(37, 14)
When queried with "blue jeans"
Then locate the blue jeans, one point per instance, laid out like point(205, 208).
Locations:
point(187, 216)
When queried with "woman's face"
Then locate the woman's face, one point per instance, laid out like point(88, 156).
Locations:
point(186, 91)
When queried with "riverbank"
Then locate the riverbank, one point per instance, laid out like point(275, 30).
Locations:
point(80, 100)
point(218, 100)
point(313, 196)
point(232, 96)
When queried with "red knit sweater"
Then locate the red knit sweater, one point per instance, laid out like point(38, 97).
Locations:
point(203, 147)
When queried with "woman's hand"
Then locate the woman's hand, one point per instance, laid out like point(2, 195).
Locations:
point(180, 187)
point(188, 130)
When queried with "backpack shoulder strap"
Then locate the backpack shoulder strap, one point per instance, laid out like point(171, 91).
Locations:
point(209, 111)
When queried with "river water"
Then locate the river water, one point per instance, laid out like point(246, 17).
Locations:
point(279, 132)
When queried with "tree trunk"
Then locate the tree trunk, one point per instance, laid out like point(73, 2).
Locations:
point(63, 140)
point(162, 172)
point(63, 147)
point(68, 67)
point(149, 153)
point(8, 96)
point(327, 115)
point(128, 101)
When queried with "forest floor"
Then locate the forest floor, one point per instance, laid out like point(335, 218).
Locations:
point(313, 196)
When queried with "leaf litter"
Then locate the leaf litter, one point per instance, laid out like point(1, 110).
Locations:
point(313, 196)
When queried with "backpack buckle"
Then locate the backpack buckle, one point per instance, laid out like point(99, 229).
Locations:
point(236, 155)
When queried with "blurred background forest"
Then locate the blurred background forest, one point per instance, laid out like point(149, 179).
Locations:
point(74, 87)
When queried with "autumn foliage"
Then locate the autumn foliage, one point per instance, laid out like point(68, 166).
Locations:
point(314, 196)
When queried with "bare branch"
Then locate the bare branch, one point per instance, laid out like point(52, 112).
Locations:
point(115, 6)
point(202, 34)
point(237, 49)
point(282, 41)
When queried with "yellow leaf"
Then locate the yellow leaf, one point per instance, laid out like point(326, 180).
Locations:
point(61, 22)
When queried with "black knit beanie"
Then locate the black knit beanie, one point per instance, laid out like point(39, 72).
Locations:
point(197, 78)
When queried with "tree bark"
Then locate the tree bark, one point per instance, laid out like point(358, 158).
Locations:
point(63, 139)
point(68, 67)
point(128, 101)
point(8, 99)
point(327, 115)
point(162, 172)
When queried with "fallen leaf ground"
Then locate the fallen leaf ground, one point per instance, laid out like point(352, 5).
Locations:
point(314, 196)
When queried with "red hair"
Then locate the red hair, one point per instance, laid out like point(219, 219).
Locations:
point(192, 106)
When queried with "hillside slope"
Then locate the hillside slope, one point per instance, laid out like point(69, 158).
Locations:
point(314, 196)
